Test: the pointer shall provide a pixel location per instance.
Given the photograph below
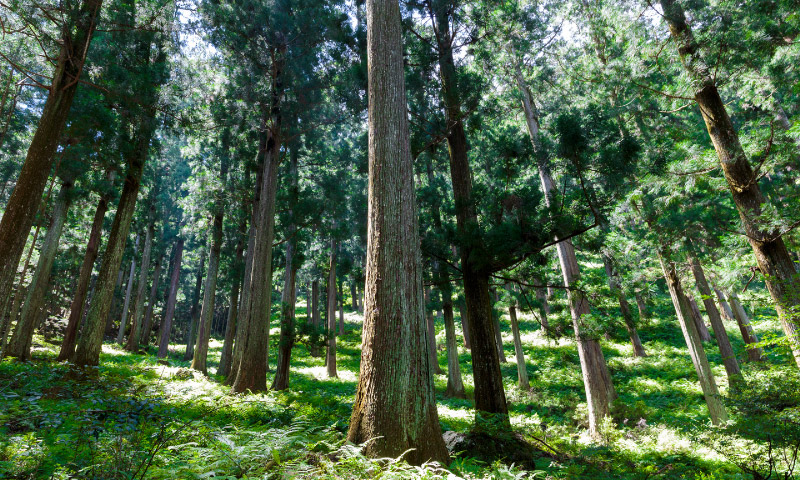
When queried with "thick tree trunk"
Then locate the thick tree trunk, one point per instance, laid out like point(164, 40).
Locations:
point(123, 321)
point(596, 379)
point(755, 354)
point(172, 298)
point(147, 324)
point(330, 358)
point(615, 285)
point(522, 371)
point(33, 311)
point(76, 35)
point(79, 298)
point(395, 406)
point(690, 334)
point(194, 312)
point(725, 348)
point(490, 397)
point(772, 257)
point(138, 305)
point(702, 330)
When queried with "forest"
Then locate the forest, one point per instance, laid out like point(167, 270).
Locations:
point(434, 239)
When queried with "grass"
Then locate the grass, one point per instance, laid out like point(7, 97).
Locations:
point(135, 418)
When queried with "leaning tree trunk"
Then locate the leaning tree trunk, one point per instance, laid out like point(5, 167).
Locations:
point(32, 312)
point(772, 256)
point(690, 334)
point(330, 358)
point(596, 379)
point(76, 35)
point(394, 412)
point(194, 312)
point(490, 396)
point(641, 305)
point(755, 354)
point(522, 370)
point(615, 285)
point(138, 305)
point(226, 357)
point(79, 298)
point(726, 311)
point(702, 330)
point(147, 324)
point(123, 321)
point(172, 298)
point(209, 296)
point(725, 348)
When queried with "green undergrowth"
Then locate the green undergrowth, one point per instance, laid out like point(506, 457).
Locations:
point(135, 418)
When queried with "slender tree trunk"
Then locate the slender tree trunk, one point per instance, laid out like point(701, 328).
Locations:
point(354, 295)
point(226, 357)
point(755, 354)
point(76, 35)
point(596, 379)
point(33, 311)
point(429, 322)
point(194, 313)
point(690, 334)
point(490, 396)
point(138, 305)
point(726, 311)
point(725, 348)
point(172, 298)
point(147, 324)
point(615, 285)
point(330, 358)
point(341, 308)
point(123, 321)
point(522, 371)
point(394, 414)
point(79, 298)
point(642, 306)
point(702, 330)
point(541, 296)
point(772, 256)
point(498, 338)
point(455, 384)
point(118, 289)
point(315, 317)
point(462, 315)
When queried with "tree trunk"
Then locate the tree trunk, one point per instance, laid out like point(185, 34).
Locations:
point(32, 312)
point(490, 397)
point(194, 313)
point(541, 296)
point(315, 317)
point(725, 349)
point(76, 35)
point(462, 315)
point(330, 358)
point(354, 295)
point(341, 308)
point(690, 334)
point(522, 371)
point(755, 354)
point(455, 384)
point(226, 357)
point(172, 298)
point(774, 261)
point(138, 305)
point(498, 338)
point(615, 285)
point(118, 289)
point(79, 298)
point(726, 312)
point(429, 323)
point(394, 413)
point(596, 379)
point(123, 321)
point(642, 306)
point(147, 324)
point(702, 330)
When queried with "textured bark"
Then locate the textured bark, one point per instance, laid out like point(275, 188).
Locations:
point(642, 306)
point(772, 256)
point(395, 405)
point(725, 311)
point(33, 311)
point(147, 323)
point(596, 379)
point(172, 298)
point(330, 357)
point(455, 384)
point(690, 334)
point(138, 305)
point(615, 285)
point(522, 371)
point(431, 327)
point(194, 312)
point(490, 397)
point(79, 297)
point(20, 210)
point(755, 354)
point(226, 357)
point(118, 289)
point(702, 330)
point(462, 315)
point(725, 348)
point(123, 321)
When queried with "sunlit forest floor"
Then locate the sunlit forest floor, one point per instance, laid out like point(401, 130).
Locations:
point(136, 418)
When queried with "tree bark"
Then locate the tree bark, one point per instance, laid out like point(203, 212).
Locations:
point(772, 256)
point(172, 298)
point(455, 384)
point(138, 306)
point(226, 357)
point(726, 311)
point(725, 348)
point(147, 324)
point(123, 321)
point(702, 330)
point(522, 371)
point(330, 358)
point(683, 310)
point(76, 35)
point(641, 306)
point(32, 312)
point(615, 285)
point(498, 338)
point(194, 312)
point(431, 327)
point(341, 308)
point(755, 354)
point(79, 298)
point(395, 405)
point(315, 316)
